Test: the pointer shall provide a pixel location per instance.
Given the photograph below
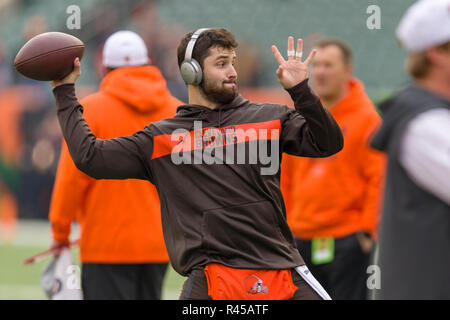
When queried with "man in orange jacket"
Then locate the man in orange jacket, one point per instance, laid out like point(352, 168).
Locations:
point(121, 246)
point(334, 202)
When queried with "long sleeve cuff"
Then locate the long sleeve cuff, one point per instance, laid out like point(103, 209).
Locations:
point(302, 95)
point(61, 232)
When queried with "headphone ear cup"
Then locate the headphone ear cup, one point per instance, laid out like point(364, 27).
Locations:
point(198, 72)
point(187, 72)
point(191, 72)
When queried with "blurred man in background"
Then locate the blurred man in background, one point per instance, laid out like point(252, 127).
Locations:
point(414, 246)
point(334, 202)
point(122, 249)
point(11, 142)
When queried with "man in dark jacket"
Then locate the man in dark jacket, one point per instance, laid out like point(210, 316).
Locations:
point(414, 239)
point(218, 184)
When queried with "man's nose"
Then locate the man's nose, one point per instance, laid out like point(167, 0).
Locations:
point(232, 74)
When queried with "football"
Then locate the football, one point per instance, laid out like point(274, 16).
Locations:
point(49, 56)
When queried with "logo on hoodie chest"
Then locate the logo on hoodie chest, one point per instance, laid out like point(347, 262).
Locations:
point(236, 144)
point(215, 137)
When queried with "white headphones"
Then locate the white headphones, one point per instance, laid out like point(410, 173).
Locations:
point(190, 69)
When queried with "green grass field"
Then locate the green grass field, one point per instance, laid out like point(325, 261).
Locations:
point(19, 281)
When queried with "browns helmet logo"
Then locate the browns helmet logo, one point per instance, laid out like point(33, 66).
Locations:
point(254, 285)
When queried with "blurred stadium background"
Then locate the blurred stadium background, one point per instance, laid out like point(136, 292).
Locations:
point(30, 137)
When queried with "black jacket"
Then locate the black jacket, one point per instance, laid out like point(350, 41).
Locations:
point(414, 237)
point(230, 211)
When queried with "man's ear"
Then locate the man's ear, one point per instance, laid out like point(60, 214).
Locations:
point(431, 54)
point(436, 55)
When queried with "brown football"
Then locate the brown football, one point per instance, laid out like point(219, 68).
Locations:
point(49, 56)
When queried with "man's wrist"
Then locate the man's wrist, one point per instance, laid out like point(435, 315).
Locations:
point(65, 96)
point(63, 85)
point(298, 86)
point(302, 95)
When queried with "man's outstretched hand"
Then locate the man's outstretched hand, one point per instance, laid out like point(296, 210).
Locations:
point(293, 71)
point(72, 77)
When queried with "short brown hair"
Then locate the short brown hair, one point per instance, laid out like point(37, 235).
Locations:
point(347, 53)
point(214, 37)
point(418, 64)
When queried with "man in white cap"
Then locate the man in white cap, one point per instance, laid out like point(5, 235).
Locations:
point(121, 246)
point(414, 241)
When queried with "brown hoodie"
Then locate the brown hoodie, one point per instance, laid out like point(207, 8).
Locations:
point(229, 213)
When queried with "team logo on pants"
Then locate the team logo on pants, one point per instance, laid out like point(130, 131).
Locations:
point(254, 285)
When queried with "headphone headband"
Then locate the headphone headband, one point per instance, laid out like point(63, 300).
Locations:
point(191, 44)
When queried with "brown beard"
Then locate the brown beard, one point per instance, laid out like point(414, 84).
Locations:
point(216, 91)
